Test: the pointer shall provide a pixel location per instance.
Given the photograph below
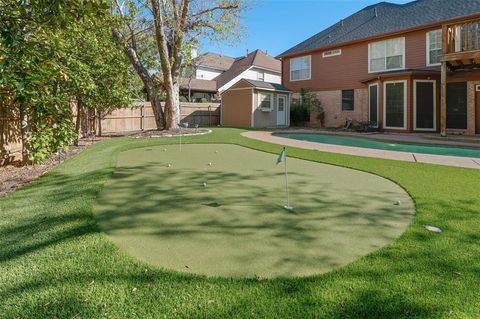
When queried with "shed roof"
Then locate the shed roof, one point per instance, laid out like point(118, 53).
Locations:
point(262, 85)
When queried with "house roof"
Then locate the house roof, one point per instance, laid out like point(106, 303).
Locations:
point(385, 17)
point(215, 61)
point(266, 85)
point(256, 58)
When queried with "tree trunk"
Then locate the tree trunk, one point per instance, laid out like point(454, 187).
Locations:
point(78, 121)
point(147, 81)
point(170, 74)
point(99, 123)
point(172, 108)
point(24, 129)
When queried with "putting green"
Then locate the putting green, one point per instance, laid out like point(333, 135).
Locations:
point(236, 226)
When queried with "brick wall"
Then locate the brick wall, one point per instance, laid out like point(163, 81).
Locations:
point(332, 105)
point(471, 107)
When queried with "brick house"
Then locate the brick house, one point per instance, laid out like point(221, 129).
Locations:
point(402, 68)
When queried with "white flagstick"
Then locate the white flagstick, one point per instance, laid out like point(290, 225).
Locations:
point(180, 137)
point(286, 184)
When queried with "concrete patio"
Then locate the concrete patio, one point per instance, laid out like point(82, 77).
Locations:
point(430, 139)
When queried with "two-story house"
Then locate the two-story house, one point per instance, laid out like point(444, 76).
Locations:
point(212, 73)
point(402, 68)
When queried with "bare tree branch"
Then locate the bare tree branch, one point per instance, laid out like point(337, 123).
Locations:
point(216, 8)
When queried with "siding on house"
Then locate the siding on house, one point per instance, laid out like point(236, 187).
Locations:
point(348, 70)
point(207, 73)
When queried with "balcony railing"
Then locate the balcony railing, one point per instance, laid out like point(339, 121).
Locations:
point(462, 37)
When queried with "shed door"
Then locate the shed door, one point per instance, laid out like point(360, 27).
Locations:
point(281, 109)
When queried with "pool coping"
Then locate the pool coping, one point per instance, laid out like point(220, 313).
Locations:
point(448, 160)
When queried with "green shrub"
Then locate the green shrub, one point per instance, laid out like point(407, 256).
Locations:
point(301, 109)
point(47, 139)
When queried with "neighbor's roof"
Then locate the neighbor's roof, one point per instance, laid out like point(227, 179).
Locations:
point(195, 84)
point(267, 85)
point(386, 17)
point(255, 58)
point(215, 61)
point(199, 85)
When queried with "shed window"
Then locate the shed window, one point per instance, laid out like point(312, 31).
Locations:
point(265, 101)
point(300, 68)
point(386, 55)
point(348, 100)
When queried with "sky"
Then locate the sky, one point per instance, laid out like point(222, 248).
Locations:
point(277, 25)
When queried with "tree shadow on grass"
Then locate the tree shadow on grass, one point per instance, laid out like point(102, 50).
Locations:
point(411, 279)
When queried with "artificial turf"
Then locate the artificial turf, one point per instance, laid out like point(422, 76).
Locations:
point(218, 210)
point(55, 262)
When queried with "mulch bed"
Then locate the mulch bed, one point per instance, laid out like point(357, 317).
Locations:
point(13, 177)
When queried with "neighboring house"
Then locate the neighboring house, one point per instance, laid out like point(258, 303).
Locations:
point(210, 65)
point(253, 103)
point(256, 65)
point(401, 68)
point(212, 73)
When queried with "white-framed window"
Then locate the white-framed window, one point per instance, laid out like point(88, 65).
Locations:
point(300, 68)
point(386, 55)
point(434, 47)
point(331, 53)
point(261, 76)
point(265, 101)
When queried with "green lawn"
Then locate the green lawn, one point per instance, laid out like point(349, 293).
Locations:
point(55, 262)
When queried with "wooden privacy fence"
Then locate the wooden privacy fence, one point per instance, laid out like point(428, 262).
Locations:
point(121, 121)
point(141, 117)
point(10, 134)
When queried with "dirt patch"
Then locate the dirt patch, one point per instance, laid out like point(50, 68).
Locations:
point(13, 177)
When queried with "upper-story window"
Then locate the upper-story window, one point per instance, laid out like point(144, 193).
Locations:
point(386, 55)
point(261, 76)
point(300, 68)
point(434, 47)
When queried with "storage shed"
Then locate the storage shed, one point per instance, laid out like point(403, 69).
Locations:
point(258, 104)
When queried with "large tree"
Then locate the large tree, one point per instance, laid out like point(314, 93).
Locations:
point(178, 26)
point(135, 34)
point(42, 67)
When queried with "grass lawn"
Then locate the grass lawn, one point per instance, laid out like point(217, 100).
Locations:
point(55, 262)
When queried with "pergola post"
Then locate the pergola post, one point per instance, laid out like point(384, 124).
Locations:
point(443, 98)
point(443, 101)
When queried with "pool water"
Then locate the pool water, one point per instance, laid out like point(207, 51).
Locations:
point(382, 145)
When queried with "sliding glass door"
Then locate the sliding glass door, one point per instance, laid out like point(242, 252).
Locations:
point(395, 105)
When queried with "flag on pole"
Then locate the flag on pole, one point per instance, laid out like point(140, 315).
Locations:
point(282, 156)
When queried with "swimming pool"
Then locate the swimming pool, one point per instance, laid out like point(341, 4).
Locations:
point(382, 145)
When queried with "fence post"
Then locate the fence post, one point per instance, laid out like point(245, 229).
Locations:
point(142, 118)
